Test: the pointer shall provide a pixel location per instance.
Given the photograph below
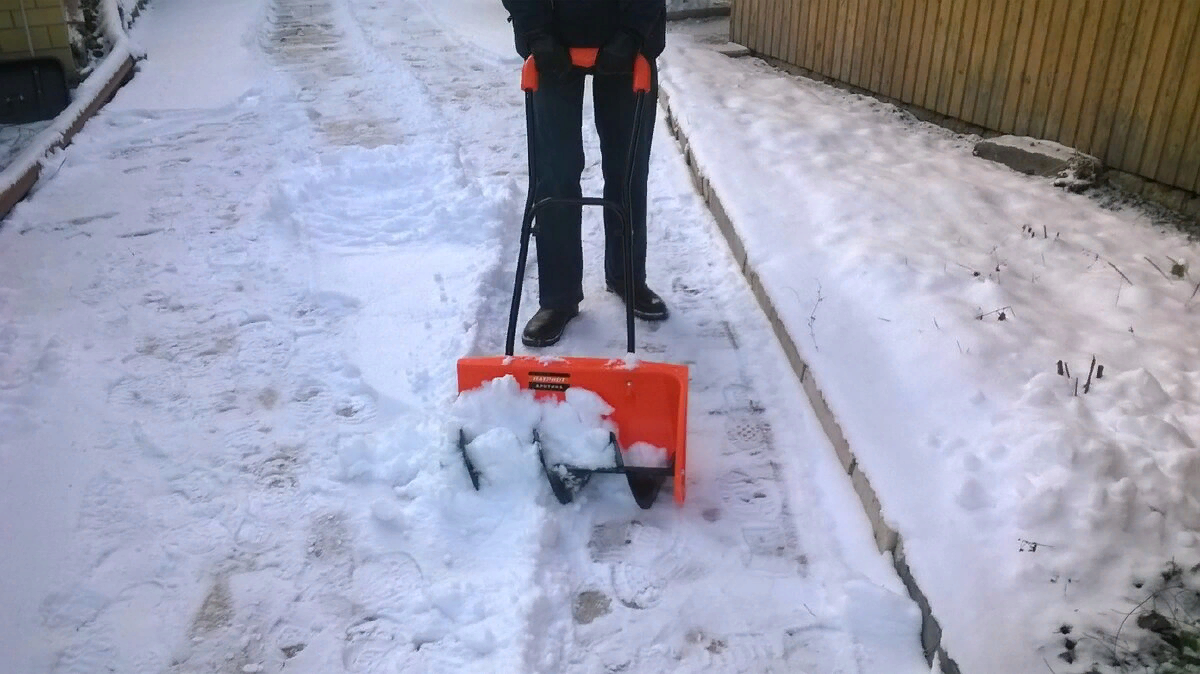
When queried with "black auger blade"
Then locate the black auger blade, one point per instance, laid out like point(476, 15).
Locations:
point(566, 481)
point(466, 457)
point(645, 483)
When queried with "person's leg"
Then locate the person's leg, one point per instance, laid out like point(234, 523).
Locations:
point(558, 136)
point(615, 105)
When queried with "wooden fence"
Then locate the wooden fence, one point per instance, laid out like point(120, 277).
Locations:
point(1118, 79)
point(35, 28)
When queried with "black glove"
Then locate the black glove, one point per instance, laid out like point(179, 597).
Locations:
point(617, 56)
point(551, 57)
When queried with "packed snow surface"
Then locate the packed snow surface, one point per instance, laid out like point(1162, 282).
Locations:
point(227, 389)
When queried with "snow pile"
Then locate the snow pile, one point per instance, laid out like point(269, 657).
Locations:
point(118, 17)
point(646, 455)
point(575, 431)
point(461, 588)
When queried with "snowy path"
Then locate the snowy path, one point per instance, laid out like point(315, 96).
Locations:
point(230, 325)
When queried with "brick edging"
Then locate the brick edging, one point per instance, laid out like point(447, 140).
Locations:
point(17, 191)
point(888, 540)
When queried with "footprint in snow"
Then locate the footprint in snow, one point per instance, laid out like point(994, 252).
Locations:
point(643, 561)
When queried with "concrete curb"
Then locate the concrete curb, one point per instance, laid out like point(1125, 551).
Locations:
point(17, 191)
point(888, 540)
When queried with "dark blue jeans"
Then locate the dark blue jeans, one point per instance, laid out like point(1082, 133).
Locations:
point(558, 129)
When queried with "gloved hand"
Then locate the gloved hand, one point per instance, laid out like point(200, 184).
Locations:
point(551, 57)
point(617, 56)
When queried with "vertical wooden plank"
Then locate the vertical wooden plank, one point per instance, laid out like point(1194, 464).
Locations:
point(880, 56)
point(1078, 128)
point(767, 23)
point(968, 55)
point(942, 64)
point(1079, 42)
point(1142, 154)
point(1189, 165)
point(979, 52)
point(1054, 77)
point(831, 25)
point(1041, 59)
point(850, 42)
point(748, 23)
point(987, 72)
point(885, 57)
point(778, 28)
point(735, 19)
point(793, 31)
point(839, 40)
point(1006, 64)
point(806, 8)
point(744, 9)
point(929, 35)
point(859, 45)
point(810, 31)
point(748, 29)
point(1018, 68)
point(762, 24)
point(1120, 44)
point(858, 51)
point(1176, 145)
point(870, 13)
point(939, 68)
point(756, 26)
point(1171, 96)
point(816, 36)
point(784, 29)
point(804, 36)
point(816, 31)
point(800, 8)
point(1125, 116)
point(900, 49)
point(914, 48)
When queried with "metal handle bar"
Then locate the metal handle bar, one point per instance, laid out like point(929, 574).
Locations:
point(642, 78)
point(585, 57)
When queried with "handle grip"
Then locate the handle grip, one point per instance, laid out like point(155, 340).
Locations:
point(585, 57)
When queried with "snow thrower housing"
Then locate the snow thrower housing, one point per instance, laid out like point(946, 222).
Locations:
point(649, 399)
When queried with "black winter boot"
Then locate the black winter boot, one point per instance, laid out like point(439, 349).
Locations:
point(547, 325)
point(647, 305)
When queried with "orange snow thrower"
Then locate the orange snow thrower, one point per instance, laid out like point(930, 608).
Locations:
point(649, 400)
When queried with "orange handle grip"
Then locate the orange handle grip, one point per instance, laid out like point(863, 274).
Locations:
point(585, 57)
